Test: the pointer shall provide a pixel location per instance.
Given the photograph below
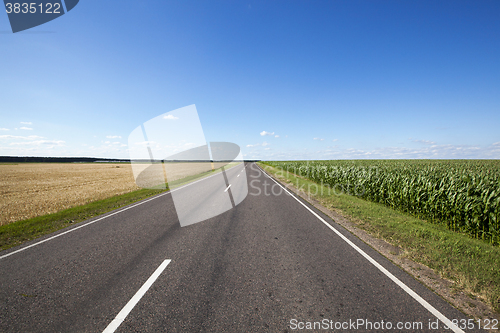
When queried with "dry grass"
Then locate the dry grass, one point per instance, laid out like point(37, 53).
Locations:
point(33, 189)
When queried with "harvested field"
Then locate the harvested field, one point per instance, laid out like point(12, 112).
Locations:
point(34, 189)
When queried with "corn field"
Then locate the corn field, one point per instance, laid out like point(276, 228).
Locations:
point(463, 194)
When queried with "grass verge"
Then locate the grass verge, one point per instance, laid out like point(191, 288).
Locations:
point(471, 264)
point(16, 233)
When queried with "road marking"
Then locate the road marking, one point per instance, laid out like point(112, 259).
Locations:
point(101, 218)
point(238, 175)
point(227, 188)
point(120, 317)
point(403, 286)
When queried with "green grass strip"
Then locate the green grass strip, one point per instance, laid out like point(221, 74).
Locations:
point(16, 233)
point(472, 264)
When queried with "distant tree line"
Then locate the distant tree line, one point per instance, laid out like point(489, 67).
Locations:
point(33, 159)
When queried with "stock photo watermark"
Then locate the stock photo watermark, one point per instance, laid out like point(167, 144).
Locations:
point(25, 15)
point(387, 325)
point(205, 179)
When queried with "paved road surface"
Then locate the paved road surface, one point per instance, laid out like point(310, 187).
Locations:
point(267, 265)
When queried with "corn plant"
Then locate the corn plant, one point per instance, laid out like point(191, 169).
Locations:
point(463, 194)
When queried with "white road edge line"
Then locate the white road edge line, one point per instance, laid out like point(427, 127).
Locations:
point(101, 218)
point(227, 188)
point(120, 317)
point(403, 286)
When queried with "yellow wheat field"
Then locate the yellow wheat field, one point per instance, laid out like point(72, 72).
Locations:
point(33, 189)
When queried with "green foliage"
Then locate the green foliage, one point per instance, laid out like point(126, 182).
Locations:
point(463, 194)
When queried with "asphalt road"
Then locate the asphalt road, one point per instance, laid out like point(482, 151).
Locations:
point(267, 265)
point(211, 196)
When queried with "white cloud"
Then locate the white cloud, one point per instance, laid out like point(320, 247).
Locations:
point(276, 136)
point(113, 137)
point(319, 139)
point(170, 117)
point(30, 137)
point(39, 142)
point(425, 142)
point(423, 151)
point(145, 143)
point(335, 140)
point(4, 129)
point(26, 123)
point(266, 133)
point(26, 128)
point(263, 144)
point(436, 151)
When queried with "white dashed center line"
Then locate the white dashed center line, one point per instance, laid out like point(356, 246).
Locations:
point(120, 317)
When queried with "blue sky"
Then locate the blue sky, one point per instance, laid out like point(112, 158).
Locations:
point(282, 79)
